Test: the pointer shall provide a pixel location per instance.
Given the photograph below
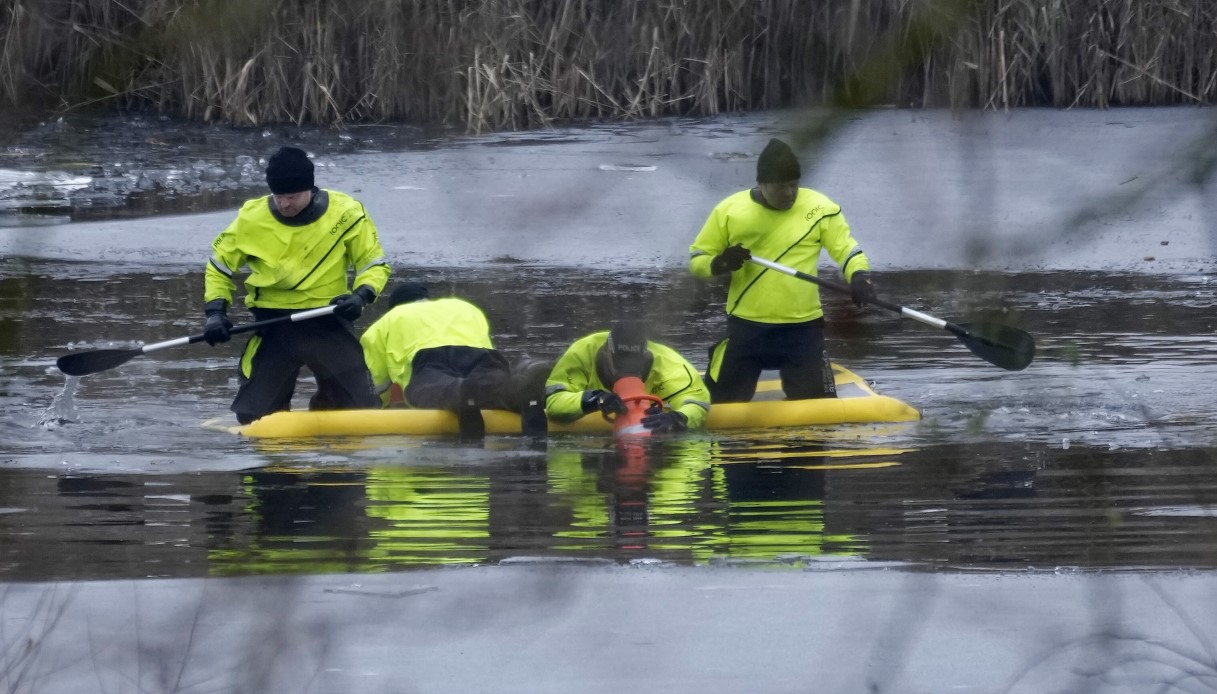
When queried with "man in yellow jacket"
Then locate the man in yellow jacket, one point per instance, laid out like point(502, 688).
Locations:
point(582, 381)
point(775, 321)
point(299, 243)
point(438, 354)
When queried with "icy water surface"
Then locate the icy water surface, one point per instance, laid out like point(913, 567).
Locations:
point(1100, 455)
point(82, 167)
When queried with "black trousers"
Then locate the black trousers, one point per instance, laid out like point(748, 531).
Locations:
point(448, 378)
point(796, 350)
point(273, 357)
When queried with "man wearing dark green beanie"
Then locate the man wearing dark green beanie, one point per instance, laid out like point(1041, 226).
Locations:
point(775, 321)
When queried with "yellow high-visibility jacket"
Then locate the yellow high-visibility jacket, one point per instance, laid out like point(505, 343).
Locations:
point(297, 267)
point(672, 379)
point(389, 344)
point(792, 237)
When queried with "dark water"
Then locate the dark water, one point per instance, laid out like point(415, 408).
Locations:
point(1100, 455)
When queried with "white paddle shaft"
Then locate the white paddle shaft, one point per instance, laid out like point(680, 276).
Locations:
point(302, 315)
point(787, 270)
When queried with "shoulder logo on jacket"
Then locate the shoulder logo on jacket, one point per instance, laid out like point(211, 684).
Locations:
point(341, 222)
point(814, 212)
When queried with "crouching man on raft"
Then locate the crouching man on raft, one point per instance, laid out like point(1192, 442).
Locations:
point(620, 373)
point(438, 354)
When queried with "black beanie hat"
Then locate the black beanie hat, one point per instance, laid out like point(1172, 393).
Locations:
point(289, 171)
point(777, 164)
point(627, 336)
point(406, 292)
point(625, 353)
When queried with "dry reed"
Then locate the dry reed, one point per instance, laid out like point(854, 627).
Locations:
point(492, 64)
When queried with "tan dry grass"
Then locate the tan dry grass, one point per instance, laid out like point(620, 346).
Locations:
point(491, 64)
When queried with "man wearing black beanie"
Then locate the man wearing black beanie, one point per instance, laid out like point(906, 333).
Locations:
point(583, 380)
point(775, 321)
point(298, 243)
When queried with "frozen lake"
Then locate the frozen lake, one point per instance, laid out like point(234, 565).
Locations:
point(1092, 230)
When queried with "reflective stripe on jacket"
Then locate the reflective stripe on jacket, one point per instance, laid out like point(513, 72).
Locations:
point(672, 379)
point(389, 344)
point(297, 267)
point(792, 237)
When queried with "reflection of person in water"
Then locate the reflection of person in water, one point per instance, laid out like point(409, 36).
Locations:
point(311, 521)
point(389, 516)
point(618, 493)
point(626, 481)
point(681, 499)
point(775, 510)
point(324, 507)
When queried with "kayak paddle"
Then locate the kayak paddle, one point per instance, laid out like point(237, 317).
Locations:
point(1001, 345)
point(84, 363)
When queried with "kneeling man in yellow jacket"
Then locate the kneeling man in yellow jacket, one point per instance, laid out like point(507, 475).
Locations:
point(437, 354)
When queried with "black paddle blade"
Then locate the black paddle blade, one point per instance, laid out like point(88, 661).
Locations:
point(85, 363)
point(1001, 345)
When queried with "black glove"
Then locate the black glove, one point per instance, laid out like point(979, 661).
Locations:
point(730, 260)
point(862, 289)
point(606, 401)
point(215, 330)
point(350, 306)
point(659, 421)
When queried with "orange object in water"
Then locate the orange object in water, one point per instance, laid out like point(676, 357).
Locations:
point(633, 472)
point(637, 401)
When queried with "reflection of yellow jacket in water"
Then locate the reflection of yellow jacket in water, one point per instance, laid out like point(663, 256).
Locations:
point(390, 344)
point(793, 237)
point(680, 492)
point(428, 517)
point(672, 379)
point(297, 267)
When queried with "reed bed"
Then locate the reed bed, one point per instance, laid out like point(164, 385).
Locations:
point(495, 64)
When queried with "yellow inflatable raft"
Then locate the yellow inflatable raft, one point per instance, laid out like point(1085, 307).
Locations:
point(855, 403)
